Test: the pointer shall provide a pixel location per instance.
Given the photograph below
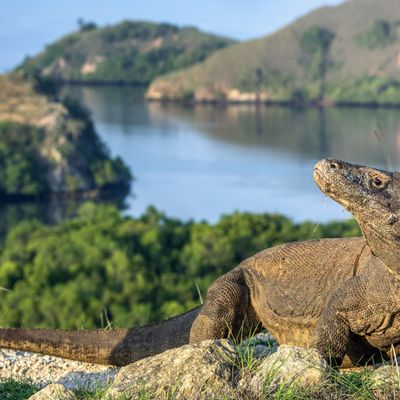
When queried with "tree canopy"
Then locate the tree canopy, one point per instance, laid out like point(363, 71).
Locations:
point(316, 43)
point(102, 265)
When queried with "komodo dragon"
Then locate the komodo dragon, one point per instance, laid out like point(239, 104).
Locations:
point(341, 296)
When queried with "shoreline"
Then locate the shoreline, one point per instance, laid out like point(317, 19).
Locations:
point(269, 103)
point(326, 103)
point(99, 83)
point(104, 192)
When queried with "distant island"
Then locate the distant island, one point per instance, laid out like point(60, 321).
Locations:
point(132, 52)
point(49, 146)
point(343, 55)
point(346, 55)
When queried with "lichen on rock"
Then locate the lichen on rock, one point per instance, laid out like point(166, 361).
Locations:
point(290, 365)
point(55, 391)
point(196, 371)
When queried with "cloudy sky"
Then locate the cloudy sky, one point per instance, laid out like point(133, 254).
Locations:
point(26, 26)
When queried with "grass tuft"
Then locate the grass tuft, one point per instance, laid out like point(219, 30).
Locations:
point(13, 390)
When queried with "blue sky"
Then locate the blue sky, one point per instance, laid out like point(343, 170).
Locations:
point(26, 26)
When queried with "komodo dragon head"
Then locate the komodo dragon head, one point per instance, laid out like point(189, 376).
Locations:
point(373, 197)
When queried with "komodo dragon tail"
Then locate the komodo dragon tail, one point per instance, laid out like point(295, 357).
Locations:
point(101, 346)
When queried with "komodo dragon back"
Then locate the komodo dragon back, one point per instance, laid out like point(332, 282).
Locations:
point(353, 310)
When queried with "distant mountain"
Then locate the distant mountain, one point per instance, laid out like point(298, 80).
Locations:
point(130, 52)
point(50, 146)
point(344, 54)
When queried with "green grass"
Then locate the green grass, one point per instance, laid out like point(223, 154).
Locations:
point(246, 360)
point(13, 390)
point(96, 394)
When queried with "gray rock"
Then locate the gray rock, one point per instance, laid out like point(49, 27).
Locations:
point(208, 370)
point(42, 370)
point(55, 391)
point(385, 376)
point(261, 345)
point(199, 371)
point(289, 365)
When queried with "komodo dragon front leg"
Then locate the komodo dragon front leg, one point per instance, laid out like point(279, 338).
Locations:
point(361, 320)
point(367, 306)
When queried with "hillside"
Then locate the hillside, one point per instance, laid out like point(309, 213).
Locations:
point(344, 54)
point(130, 52)
point(50, 146)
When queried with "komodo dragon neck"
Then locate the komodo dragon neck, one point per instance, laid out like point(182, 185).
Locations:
point(373, 197)
point(113, 346)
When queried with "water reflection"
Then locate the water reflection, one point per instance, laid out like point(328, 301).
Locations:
point(198, 162)
point(51, 210)
point(346, 133)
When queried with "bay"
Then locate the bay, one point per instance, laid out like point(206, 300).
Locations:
point(200, 162)
point(206, 160)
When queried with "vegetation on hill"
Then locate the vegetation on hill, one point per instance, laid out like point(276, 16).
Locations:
point(380, 34)
point(343, 54)
point(50, 146)
point(316, 43)
point(102, 266)
point(22, 170)
point(130, 52)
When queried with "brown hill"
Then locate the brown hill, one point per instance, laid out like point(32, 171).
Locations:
point(347, 53)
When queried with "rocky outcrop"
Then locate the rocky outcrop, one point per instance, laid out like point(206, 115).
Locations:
point(65, 154)
point(254, 369)
point(190, 372)
point(220, 369)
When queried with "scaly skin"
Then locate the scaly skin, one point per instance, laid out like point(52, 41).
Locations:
point(340, 296)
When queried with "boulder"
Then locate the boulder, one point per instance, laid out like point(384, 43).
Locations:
point(290, 365)
point(199, 371)
point(55, 391)
point(387, 376)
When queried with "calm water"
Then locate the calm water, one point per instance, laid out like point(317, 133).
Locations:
point(204, 161)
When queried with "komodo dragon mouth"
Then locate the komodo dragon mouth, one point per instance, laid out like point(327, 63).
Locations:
point(356, 187)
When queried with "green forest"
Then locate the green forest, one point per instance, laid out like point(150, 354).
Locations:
point(129, 52)
point(22, 169)
point(101, 268)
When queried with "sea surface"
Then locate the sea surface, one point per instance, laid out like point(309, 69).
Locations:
point(199, 162)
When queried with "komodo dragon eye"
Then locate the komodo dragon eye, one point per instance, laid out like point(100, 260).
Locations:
point(379, 182)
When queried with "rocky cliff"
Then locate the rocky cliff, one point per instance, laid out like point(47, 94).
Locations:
point(50, 146)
